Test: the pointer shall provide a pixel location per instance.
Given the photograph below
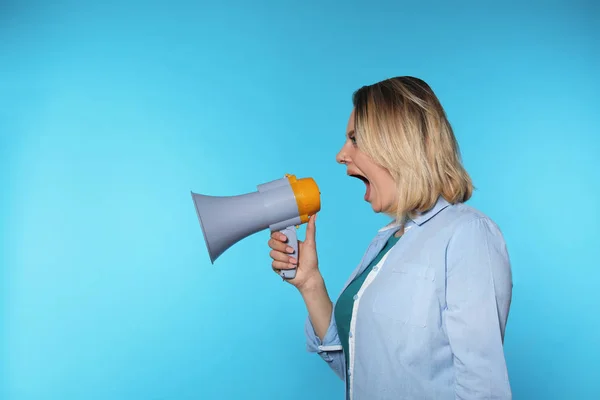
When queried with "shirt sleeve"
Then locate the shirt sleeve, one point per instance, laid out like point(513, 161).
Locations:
point(330, 349)
point(478, 296)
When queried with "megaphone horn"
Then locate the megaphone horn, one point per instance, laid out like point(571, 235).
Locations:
point(280, 205)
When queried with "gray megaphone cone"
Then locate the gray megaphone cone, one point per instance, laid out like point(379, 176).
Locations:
point(225, 220)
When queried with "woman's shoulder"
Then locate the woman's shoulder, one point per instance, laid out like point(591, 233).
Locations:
point(464, 212)
point(467, 219)
point(453, 219)
point(451, 214)
point(447, 220)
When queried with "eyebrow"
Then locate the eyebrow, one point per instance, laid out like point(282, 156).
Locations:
point(351, 132)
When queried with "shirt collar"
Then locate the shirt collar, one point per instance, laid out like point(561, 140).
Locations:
point(421, 218)
point(440, 204)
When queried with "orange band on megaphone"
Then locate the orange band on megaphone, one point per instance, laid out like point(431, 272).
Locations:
point(307, 196)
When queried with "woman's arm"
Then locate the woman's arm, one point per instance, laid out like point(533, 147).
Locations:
point(318, 305)
point(321, 331)
point(478, 297)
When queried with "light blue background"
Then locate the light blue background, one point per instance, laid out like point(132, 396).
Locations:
point(111, 114)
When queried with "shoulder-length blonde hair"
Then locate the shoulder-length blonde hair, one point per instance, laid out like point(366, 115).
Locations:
point(401, 125)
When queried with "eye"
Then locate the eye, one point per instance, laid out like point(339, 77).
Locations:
point(352, 139)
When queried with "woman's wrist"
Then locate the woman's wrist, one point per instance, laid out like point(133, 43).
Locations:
point(312, 284)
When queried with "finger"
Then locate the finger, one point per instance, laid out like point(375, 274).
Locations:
point(279, 236)
point(279, 246)
point(279, 265)
point(279, 256)
point(311, 230)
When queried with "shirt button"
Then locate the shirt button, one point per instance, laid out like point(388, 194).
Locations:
point(349, 334)
point(349, 373)
point(355, 297)
point(375, 269)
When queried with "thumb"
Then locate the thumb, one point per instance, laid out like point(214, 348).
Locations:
point(310, 230)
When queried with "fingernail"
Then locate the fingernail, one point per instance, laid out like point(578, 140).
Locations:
point(293, 260)
point(289, 250)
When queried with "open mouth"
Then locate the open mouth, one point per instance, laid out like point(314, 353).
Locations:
point(366, 182)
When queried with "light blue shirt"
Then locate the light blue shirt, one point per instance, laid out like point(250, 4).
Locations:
point(429, 321)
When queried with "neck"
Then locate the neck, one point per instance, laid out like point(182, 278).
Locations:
point(399, 232)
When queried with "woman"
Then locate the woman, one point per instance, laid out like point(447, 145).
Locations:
point(423, 315)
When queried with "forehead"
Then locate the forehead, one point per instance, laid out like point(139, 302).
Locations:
point(350, 124)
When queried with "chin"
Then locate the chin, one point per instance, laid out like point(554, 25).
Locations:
point(376, 208)
point(379, 208)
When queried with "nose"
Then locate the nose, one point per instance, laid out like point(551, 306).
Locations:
point(344, 156)
point(341, 157)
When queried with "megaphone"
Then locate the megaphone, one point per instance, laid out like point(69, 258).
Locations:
point(279, 205)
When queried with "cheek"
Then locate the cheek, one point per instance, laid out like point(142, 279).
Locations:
point(386, 188)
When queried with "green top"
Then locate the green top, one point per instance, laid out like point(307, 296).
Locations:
point(344, 304)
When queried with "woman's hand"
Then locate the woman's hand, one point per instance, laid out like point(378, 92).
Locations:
point(307, 273)
point(308, 279)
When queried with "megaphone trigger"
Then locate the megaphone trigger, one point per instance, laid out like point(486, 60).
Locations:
point(290, 233)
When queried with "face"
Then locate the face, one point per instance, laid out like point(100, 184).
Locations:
point(380, 189)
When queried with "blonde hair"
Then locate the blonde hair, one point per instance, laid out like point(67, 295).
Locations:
point(401, 125)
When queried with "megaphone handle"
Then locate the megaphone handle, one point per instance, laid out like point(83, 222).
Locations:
point(290, 233)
